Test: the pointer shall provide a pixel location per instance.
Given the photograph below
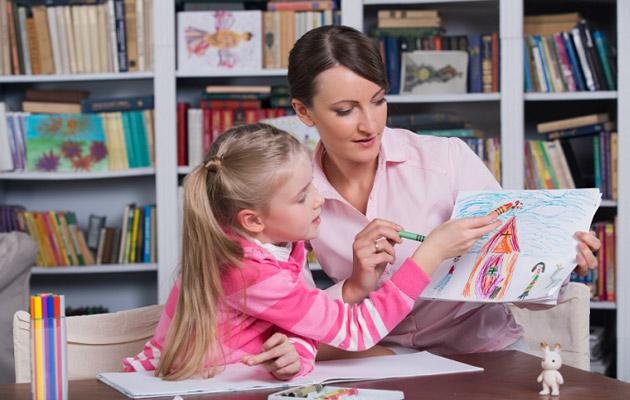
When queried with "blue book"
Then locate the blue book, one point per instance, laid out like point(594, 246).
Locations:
point(587, 130)
point(146, 256)
point(117, 104)
point(576, 69)
point(544, 62)
point(474, 64)
point(526, 63)
point(392, 56)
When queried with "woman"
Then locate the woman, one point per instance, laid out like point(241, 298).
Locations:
point(370, 174)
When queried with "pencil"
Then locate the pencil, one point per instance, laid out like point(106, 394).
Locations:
point(411, 236)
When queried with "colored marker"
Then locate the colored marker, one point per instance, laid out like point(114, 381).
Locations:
point(411, 236)
point(39, 348)
point(340, 393)
point(304, 391)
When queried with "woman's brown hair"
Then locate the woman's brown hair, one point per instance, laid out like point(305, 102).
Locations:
point(329, 46)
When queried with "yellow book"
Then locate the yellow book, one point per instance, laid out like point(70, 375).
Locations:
point(52, 217)
point(67, 238)
point(134, 235)
point(119, 133)
point(46, 239)
point(38, 335)
point(33, 231)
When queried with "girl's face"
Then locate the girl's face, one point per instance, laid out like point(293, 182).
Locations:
point(294, 209)
point(350, 114)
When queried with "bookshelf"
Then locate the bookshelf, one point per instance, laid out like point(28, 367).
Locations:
point(514, 117)
point(505, 112)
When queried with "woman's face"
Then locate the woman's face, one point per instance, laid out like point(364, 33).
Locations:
point(350, 114)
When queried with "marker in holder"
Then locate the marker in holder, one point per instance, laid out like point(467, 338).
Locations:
point(49, 365)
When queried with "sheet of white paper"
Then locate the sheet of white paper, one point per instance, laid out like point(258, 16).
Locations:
point(238, 377)
point(528, 257)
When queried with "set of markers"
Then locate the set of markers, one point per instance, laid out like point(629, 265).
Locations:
point(321, 392)
point(49, 372)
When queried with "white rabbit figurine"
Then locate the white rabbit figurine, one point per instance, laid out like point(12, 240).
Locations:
point(550, 376)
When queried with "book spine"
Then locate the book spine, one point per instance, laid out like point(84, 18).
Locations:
point(474, 66)
point(580, 50)
point(121, 37)
point(182, 129)
point(574, 63)
point(122, 104)
point(603, 58)
point(577, 132)
point(564, 63)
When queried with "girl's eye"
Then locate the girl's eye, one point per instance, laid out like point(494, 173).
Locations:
point(302, 199)
point(343, 113)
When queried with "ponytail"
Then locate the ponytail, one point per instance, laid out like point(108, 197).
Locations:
point(205, 250)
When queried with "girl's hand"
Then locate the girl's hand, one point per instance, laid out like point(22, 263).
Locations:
point(451, 239)
point(278, 356)
point(372, 250)
point(589, 243)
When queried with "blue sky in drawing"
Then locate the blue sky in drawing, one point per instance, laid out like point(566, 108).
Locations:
point(545, 224)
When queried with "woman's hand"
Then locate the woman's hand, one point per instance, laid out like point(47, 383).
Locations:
point(589, 243)
point(278, 356)
point(372, 250)
point(451, 239)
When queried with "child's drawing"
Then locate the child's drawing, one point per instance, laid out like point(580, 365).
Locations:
point(493, 270)
point(512, 263)
point(537, 270)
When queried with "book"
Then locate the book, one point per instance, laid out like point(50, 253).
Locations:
point(219, 40)
point(239, 377)
point(581, 131)
point(239, 89)
point(65, 143)
point(55, 96)
point(570, 123)
point(95, 224)
point(117, 104)
point(50, 108)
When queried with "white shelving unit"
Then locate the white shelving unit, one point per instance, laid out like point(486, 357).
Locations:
point(93, 193)
point(512, 101)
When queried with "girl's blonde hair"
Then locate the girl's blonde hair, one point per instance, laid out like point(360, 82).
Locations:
point(242, 170)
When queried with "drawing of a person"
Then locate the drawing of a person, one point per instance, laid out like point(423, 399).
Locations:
point(538, 269)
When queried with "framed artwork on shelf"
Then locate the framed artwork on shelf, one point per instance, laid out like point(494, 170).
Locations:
point(225, 40)
point(434, 72)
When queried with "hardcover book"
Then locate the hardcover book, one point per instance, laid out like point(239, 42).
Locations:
point(65, 143)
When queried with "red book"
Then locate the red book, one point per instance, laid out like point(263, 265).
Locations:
point(230, 104)
point(207, 129)
point(182, 115)
point(216, 124)
point(495, 62)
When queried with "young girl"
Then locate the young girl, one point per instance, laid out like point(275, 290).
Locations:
point(367, 171)
point(247, 210)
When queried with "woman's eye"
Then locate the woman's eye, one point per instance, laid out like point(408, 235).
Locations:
point(342, 113)
point(380, 101)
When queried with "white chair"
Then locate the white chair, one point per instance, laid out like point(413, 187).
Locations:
point(17, 255)
point(566, 323)
point(96, 343)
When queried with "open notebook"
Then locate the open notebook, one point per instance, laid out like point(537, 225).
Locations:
point(238, 377)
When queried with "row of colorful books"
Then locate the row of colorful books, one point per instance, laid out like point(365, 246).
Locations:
point(76, 142)
point(579, 59)
point(487, 149)
point(220, 108)
point(54, 37)
point(198, 128)
point(602, 281)
point(250, 39)
point(483, 54)
point(61, 242)
point(578, 152)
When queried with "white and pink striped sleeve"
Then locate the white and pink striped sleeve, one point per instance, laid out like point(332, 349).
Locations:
point(278, 296)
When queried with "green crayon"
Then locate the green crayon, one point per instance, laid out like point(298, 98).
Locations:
point(411, 236)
